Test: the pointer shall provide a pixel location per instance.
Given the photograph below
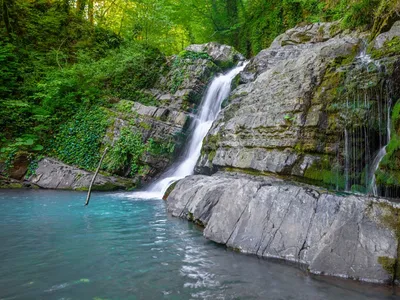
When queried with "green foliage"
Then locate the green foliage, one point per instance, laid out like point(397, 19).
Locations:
point(157, 148)
point(25, 143)
point(78, 142)
point(289, 118)
point(33, 166)
point(127, 151)
point(126, 155)
point(8, 69)
point(388, 173)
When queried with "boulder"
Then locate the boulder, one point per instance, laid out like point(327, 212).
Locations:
point(219, 53)
point(340, 235)
point(53, 174)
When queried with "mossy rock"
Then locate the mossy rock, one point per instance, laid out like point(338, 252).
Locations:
point(323, 172)
point(390, 48)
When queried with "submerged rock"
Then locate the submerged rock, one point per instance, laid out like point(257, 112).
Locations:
point(340, 235)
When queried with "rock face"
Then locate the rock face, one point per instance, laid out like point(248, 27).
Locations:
point(294, 103)
point(346, 236)
point(52, 174)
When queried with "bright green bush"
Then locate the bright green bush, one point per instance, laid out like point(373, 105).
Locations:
point(127, 151)
point(78, 141)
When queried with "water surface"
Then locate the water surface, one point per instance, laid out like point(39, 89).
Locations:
point(52, 247)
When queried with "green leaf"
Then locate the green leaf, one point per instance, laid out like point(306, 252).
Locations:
point(29, 142)
point(37, 148)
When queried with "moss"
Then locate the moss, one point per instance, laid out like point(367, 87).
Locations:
point(389, 48)
point(388, 264)
point(328, 91)
point(82, 189)
point(193, 55)
point(145, 125)
point(108, 186)
point(322, 171)
point(211, 155)
point(235, 83)
point(211, 143)
point(11, 185)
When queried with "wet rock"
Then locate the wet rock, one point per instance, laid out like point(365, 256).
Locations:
point(335, 235)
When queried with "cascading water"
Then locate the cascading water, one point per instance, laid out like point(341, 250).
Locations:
point(379, 156)
point(210, 107)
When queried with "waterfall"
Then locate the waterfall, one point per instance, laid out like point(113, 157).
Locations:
point(210, 107)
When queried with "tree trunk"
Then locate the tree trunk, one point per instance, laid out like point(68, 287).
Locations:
point(80, 7)
point(6, 18)
point(94, 176)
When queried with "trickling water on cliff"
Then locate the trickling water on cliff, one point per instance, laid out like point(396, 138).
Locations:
point(209, 109)
point(380, 155)
point(366, 120)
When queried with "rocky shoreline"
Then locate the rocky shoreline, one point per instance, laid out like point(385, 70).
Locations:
point(348, 236)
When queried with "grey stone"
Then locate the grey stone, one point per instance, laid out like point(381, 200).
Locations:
point(53, 174)
point(218, 52)
point(143, 109)
point(334, 235)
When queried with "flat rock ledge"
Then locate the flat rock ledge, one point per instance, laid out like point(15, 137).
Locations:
point(348, 236)
point(53, 174)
